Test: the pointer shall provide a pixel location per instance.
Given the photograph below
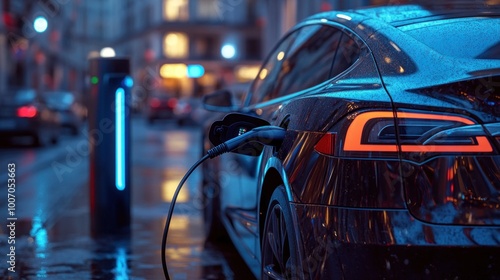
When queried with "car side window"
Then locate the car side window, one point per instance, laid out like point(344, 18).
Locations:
point(347, 53)
point(264, 83)
point(309, 60)
point(309, 56)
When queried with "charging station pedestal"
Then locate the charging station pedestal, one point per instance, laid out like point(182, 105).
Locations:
point(109, 142)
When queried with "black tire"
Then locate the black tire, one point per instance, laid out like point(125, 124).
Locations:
point(213, 227)
point(280, 259)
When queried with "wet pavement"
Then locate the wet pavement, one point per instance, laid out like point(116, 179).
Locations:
point(52, 226)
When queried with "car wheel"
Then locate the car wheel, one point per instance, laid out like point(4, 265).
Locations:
point(279, 240)
point(214, 230)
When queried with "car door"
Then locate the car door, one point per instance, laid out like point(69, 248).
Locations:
point(238, 174)
point(301, 62)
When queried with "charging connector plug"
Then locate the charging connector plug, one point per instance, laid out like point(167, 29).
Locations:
point(266, 135)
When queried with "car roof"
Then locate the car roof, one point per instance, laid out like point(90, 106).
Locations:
point(399, 15)
point(407, 14)
point(384, 27)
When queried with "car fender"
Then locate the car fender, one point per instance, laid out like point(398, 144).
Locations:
point(274, 163)
point(274, 175)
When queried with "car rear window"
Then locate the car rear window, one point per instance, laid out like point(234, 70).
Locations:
point(59, 100)
point(476, 37)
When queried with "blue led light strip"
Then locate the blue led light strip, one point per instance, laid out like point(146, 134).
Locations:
point(120, 139)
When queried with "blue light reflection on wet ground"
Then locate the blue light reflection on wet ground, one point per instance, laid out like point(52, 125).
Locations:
point(53, 239)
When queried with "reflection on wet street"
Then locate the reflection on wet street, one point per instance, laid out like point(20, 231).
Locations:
point(52, 235)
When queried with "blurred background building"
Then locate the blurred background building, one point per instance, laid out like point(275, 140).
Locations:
point(280, 15)
point(179, 47)
point(44, 43)
point(189, 47)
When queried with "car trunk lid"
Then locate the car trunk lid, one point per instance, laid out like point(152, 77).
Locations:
point(458, 187)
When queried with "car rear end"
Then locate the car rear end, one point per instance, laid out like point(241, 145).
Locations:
point(446, 125)
point(411, 197)
point(449, 171)
point(161, 107)
point(412, 191)
point(449, 133)
point(20, 114)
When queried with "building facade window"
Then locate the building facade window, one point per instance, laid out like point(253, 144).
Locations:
point(176, 10)
point(209, 10)
point(176, 45)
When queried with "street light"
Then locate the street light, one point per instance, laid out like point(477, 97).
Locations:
point(228, 51)
point(40, 24)
point(107, 52)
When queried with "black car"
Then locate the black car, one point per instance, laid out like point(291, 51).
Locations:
point(24, 112)
point(160, 107)
point(72, 114)
point(390, 164)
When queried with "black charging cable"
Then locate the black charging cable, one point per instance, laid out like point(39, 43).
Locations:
point(267, 135)
point(171, 211)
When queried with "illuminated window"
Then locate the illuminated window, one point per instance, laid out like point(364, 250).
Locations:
point(176, 70)
point(176, 10)
point(176, 45)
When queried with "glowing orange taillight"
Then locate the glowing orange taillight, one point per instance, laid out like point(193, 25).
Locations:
point(384, 133)
point(377, 132)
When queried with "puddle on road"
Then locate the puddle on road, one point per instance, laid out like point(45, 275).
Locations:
point(61, 247)
point(64, 248)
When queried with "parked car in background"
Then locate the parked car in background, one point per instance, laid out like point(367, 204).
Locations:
point(390, 165)
point(160, 106)
point(185, 109)
point(23, 112)
point(72, 113)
